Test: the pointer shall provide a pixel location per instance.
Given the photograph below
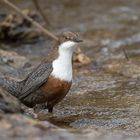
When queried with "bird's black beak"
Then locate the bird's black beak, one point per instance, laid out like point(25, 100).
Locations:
point(78, 40)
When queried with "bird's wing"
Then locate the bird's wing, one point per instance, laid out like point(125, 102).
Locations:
point(35, 79)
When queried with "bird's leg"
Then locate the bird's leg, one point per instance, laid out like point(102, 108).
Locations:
point(40, 112)
point(50, 108)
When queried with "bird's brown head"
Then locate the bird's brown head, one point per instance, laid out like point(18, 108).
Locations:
point(69, 36)
point(65, 44)
point(68, 40)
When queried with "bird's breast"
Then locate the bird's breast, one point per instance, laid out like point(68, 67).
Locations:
point(55, 88)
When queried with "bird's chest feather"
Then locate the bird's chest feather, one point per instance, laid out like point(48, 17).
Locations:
point(55, 88)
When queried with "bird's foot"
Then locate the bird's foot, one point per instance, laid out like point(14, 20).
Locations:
point(30, 112)
point(39, 107)
point(45, 115)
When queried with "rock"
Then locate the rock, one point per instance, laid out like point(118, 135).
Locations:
point(14, 28)
point(9, 104)
point(12, 58)
point(22, 127)
point(80, 57)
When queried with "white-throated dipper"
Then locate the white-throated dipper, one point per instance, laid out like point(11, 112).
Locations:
point(50, 81)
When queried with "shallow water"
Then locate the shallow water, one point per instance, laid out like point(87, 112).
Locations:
point(105, 94)
point(111, 103)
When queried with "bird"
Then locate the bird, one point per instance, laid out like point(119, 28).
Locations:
point(51, 80)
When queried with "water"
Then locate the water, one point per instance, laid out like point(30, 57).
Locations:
point(112, 103)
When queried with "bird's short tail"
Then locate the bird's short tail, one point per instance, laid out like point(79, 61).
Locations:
point(11, 86)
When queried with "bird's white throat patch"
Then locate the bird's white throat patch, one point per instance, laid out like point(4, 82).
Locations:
point(62, 66)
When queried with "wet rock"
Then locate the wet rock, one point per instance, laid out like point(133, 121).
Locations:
point(12, 59)
point(22, 127)
point(80, 57)
point(9, 104)
point(14, 28)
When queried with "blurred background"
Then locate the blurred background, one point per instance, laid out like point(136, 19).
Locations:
point(105, 96)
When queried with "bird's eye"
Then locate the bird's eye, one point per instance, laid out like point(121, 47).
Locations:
point(66, 37)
